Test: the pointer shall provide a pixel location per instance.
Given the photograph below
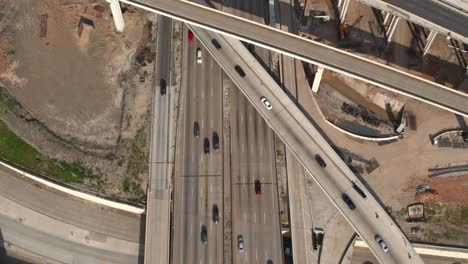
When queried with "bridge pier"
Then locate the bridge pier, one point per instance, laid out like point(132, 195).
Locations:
point(344, 9)
point(392, 27)
point(429, 41)
point(317, 79)
point(117, 15)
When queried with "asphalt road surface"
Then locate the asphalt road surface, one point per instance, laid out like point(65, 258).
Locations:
point(314, 52)
point(198, 179)
point(157, 233)
point(256, 218)
point(369, 218)
point(363, 255)
point(50, 207)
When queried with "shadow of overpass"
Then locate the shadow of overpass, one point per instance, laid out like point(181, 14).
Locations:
point(4, 257)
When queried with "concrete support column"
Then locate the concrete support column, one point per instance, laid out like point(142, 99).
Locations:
point(343, 11)
point(392, 27)
point(429, 41)
point(117, 15)
point(340, 2)
point(386, 18)
point(317, 79)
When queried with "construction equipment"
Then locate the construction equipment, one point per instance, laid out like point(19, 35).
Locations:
point(345, 29)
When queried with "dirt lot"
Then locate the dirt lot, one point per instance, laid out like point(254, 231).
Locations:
point(83, 99)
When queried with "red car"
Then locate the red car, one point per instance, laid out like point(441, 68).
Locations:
point(258, 188)
point(190, 35)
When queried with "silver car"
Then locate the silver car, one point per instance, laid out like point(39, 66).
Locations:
point(240, 243)
point(266, 103)
point(382, 244)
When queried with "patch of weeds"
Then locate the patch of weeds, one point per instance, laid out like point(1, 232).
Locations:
point(70, 172)
point(138, 159)
point(6, 102)
point(137, 163)
point(17, 151)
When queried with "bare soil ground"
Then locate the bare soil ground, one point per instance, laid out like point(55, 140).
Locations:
point(83, 99)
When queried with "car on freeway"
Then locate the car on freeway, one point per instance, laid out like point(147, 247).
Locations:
point(266, 103)
point(162, 86)
point(204, 236)
point(240, 243)
point(348, 201)
point(196, 129)
point(382, 244)
point(206, 146)
point(239, 70)
point(320, 161)
point(215, 44)
point(215, 214)
point(190, 35)
point(258, 188)
point(199, 56)
point(215, 140)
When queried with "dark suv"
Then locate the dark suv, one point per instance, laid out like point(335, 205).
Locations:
point(204, 236)
point(215, 44)
point(348, 201)
point(162, 86)
point(215, 214)
point(215, 140)
point(320, 161)
point(206, 146)
point(239, 70)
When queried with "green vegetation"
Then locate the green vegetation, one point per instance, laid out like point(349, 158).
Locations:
point(17, 151)
point(447, 222)
point(6, 102)
point(137, 163)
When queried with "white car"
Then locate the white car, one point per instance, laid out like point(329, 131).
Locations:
point(266, 103)
point(382, 244)
point(199, 56)
point(240, 243)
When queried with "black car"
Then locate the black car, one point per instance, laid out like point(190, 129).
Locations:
point(215, 214)
point(348, 201)
point(215, 44)
point(204, 236)
point(215, 140)
point(162, 85)
point(196, 129)
point(239, 70)
point(320, 161)
point(206, 146)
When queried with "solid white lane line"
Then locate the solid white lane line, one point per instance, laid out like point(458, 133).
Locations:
point(202, 123)
point(211, 187)
point(242, 147)
point(211, 123)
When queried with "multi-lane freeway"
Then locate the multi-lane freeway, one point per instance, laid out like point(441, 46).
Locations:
point(255, 216)
point(198, 178)
point(369, 218)
point(310, 51)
